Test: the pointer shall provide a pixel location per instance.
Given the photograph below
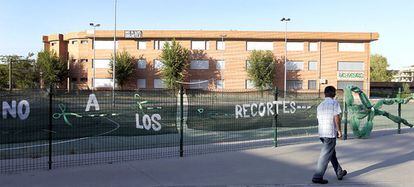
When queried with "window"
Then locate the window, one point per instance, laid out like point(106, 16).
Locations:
point(199, 64)
point(199, 45)
point(344, 84)
point(142, 45)
point(354, 47)
point(249, 84)
point(311, 84)
point(312, 65)
point(159, 45)
point(247, 66)
point(294, 66)
point(158, 83)
point(221, 64)
point(295, 46)
point(158, 64)
point(105, 44)
point(84, 79)
point(313, 46)
point(141, 83)
point(103, 82)
point(84, 41)
point(74, 42)
point(221, 45)
point(259, 46)
point(350, 66)
point(199, 84)
point(219, 84)
point(102, 63)
point(294, 84)
point(142, 64)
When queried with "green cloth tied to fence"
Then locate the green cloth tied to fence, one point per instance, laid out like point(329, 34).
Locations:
point(366, 110)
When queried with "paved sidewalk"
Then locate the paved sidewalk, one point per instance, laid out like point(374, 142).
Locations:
point(386, 160)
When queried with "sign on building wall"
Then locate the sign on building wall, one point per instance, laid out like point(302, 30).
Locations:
point(133, 34)
point(350, 75)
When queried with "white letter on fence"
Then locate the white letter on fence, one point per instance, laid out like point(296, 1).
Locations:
point(270, 109)
point(238, 111)
point(293, 109)
point(284, 108)
point(254, 105)
point(156, 126)
point(7, 109)
point(138, 126)
point(146, 120)
point(245, 106)
point(262, 112)
point(92, 101)
point(23, 115)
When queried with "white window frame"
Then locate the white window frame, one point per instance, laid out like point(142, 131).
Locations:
point(103, 83)
point(316, 65)
point(351, 47)
point(316, 84)
point(220, 64)
point(249, 84)
point(142, 44)
point(159, 44)
point(105, 44)
point(219, 84)
point(200, 64)
point(141, 83)
point(254, 45)
point(158, 64)
point(199, 45)
point(203, 86)
point(141, 64)
point(220, 45)
point(98, 63)
point(353, 67)
point(295, 46)
point(159, 84)
point(293, 66)
point(313, 46)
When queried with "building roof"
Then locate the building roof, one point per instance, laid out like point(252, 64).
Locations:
point(232, 34)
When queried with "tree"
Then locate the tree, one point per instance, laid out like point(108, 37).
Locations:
point(378, 69)
point(405, 90)
point(124, 67)
point(24, 74)
point(54, 70)
point(261, 69)
point(175, 59)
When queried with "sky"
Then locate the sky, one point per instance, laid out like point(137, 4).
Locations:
point(23, 22)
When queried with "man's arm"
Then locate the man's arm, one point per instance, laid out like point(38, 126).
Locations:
point(337, 120)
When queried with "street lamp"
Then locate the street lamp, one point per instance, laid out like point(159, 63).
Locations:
point(94, 25)
point(286, 20)
point(113, 67)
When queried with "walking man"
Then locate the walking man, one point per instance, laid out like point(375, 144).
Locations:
point(329, 127)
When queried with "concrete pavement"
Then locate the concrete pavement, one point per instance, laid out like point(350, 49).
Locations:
point(382, 160)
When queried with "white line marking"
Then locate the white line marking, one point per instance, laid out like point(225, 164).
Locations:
point(66, 141)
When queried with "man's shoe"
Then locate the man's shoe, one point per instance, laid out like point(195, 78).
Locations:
point(320, 181)
point(342, 174)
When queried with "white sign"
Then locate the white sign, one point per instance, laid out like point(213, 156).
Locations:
point(22, 110)
point(133, 34)
point(263, 109)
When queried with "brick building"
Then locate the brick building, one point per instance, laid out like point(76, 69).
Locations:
point(315, 59)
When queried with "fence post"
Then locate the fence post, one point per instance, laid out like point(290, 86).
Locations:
point(50, 126)
point(345, 135)
point(276, 94)
point(181, 121)
point(399, 110)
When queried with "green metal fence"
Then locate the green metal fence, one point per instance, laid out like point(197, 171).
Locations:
point(42, 130)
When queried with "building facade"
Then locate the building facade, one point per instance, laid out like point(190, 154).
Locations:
point(220, 58)
point(406, 74)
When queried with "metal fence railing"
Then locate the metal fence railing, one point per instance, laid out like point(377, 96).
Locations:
point(42, 130)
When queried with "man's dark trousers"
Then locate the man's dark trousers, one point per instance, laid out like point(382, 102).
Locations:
point(328, 153)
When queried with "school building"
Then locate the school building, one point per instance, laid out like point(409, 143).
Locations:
point(314, 59)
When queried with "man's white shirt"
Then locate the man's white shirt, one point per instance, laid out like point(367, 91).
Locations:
point(325, 113)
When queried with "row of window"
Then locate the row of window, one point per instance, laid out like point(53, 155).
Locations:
point(221, 64)
point(250, 45)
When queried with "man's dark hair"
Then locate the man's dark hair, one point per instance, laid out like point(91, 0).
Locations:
point(330, 91)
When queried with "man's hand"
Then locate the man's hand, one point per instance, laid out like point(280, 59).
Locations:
point(339, 134)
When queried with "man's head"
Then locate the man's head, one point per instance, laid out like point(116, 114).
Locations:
point(330, 91)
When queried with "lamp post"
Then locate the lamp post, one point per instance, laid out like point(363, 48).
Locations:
point(113, 66)
point(94, 25)
point(286, 20)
